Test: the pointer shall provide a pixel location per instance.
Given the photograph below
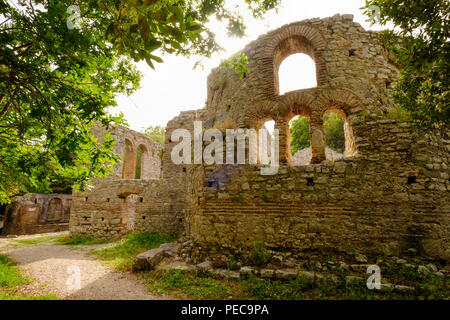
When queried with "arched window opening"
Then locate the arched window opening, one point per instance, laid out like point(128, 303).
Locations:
point(298, 71)
point(129, 161)
point(141, 155)
point(339, 139)
point(300, 141)
point(55, 210)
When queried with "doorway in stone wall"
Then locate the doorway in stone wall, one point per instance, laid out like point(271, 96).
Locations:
point(55, 210)
point(129, 211)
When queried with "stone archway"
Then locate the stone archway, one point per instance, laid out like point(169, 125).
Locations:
point(55, 210)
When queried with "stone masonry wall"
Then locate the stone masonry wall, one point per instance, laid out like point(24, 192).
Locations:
point(121, 202)
point(393, 202)
point(388, 196)
point(37, 213)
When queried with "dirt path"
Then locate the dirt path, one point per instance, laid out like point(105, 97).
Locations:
point(51, 266)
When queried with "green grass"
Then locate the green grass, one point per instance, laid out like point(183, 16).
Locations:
point(39, 240)
point(82, 240)
point(10, 280)
point(398, 114)
point(13, 296)
point(121, 256)
point(192, 285)
point(10, 275)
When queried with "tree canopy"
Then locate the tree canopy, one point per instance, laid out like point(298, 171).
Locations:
point(63, 62)
point(421, 49)
point(156, 133)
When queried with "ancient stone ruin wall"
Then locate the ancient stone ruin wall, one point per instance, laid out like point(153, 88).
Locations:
point(125, 201)
point(389, 195)
point(37, 213)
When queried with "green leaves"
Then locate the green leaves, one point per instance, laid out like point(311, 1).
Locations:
point(238, 62)
point(420, 48)
point(144, 27)
point(55, 84)
point(179, 27)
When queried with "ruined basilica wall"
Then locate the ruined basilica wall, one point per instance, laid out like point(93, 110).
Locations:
point(394, 202)
point(388, 196)
point(120, 203)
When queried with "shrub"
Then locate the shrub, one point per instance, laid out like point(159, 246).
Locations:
point(260, 255)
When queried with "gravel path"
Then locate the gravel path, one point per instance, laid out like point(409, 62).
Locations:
point(49, 265)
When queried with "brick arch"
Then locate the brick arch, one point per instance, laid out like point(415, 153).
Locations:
point(297, 103)
point(294, 38)
point(341, 99)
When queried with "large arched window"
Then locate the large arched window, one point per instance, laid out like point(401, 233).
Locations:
point(297, 71)
point(298, 54)
point(141, 157)
point(129, 161)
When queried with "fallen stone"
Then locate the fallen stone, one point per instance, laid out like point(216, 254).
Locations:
point(148, 260)
point(171, 249)
point(226, 274)
point(205, 266)
point(267, 273)
point(401, 288)
point(246, 272)
point(308, 275)
point(286, 274)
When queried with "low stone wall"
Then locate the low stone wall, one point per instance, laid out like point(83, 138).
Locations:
point(37, 213)
point(115, 207)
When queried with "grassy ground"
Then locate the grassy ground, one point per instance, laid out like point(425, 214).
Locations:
point(82, 240)
point(11, 280)
point(121, 256)
point(40, 240)
point(193, 285)
point(333, 285)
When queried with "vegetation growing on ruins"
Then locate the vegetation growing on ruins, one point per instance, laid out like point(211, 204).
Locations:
point(336, 284)
point(421, 49)
point(260, 254)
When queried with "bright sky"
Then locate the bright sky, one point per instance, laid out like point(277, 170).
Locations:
point(175, 86)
